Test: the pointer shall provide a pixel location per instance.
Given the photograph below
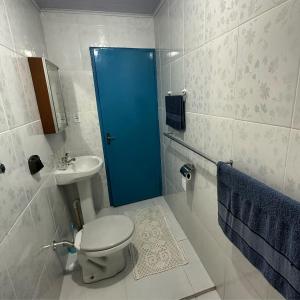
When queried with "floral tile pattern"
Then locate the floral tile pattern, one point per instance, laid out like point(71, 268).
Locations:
point(269, 46)
point(292, 180)
point(253, 8)
point(194, 34)
point(176, 29)
point(296, 120)
point(260, 151)
point(220, 16)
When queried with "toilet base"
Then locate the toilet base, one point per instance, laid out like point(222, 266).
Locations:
point(98, 268)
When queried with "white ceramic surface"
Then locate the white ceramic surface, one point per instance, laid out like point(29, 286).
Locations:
point(81, 169)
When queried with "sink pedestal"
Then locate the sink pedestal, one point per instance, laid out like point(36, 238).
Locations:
point(86, 200)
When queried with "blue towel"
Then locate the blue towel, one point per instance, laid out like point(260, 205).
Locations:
point(175, 112)
point(264, 224)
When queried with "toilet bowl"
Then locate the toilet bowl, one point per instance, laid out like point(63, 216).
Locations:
point(101, 245)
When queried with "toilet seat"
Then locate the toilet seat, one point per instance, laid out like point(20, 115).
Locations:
point(105, 234)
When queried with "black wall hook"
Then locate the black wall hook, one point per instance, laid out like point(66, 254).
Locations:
point(2, 169)
point(35, 164)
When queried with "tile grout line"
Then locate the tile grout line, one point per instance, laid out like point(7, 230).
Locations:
point(234, 28)
point(291, 128)
point(24, 210)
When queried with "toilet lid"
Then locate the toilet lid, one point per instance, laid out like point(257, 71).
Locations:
point(106, 232)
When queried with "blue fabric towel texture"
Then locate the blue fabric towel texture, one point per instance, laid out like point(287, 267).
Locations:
point(175, 112)
point(264, 224)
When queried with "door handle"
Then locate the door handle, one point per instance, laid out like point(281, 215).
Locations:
point(109, 138)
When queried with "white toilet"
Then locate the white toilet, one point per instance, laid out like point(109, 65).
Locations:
point(100, 246)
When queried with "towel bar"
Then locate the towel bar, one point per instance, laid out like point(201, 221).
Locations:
point(169, 135)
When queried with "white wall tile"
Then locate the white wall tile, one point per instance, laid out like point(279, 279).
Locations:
point(194, 33)
point(296, 120)
point(11, 89)
point(292, 180)
point(21, 137)
point(219, 78)
point(220, 16)
point(24, 266)
point(29, 140)
point(260, 151)
point(164, 37)
point(7, 290)
point(253, 8)
point(214, 102)
point(62, 40)
point(3, 118)
point(92, 36)
point(5, 33)
point(268, 57)
point(78, 91)
point(26, 27)
point(13, 198)
point(176, 29)
point(177, 76)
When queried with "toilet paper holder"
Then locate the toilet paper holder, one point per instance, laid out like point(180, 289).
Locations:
point(187, 171)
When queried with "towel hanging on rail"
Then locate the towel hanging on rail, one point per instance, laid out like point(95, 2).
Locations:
point(175, 112)
point(264, 224)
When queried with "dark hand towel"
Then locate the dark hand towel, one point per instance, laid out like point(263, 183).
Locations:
point(175, 112)
point(264, 224)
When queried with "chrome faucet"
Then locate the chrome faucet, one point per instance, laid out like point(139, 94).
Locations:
point(66, 161)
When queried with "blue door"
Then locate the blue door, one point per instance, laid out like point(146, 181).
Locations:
point(125, 82)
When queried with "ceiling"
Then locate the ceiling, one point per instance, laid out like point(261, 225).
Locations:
point(121, 6)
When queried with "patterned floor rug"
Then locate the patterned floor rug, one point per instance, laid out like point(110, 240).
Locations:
point(154, 248)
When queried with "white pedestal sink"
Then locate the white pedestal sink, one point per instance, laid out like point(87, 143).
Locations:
point(80, 172)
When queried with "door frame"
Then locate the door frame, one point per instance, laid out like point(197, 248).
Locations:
point(100, 110)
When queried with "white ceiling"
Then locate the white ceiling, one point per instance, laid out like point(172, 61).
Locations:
point(121, 6)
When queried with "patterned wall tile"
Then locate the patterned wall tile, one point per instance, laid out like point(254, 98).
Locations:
point(17, 112)
point(7, 290)
point(177, 76)
point(13, 198)
point(166, 81)
point(194, 70)
point(164, 37)
point(194, 29)
point(5, 33)
point(296, 120)
point(30, 140)
point(292, 180)
point(3, 119)
point(78, 91)
point(23, 263)
point(62, 40)
point(268, 56)
point(260, 151)
point(210, 77)
point(219, 63)
point(253, 8)
point(176, 29)
point(26, 27)
point(220, 17)
point(92, 36)
point(43, 219)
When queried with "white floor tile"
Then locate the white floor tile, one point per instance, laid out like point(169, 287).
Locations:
point(171, 285)
point(195, 270)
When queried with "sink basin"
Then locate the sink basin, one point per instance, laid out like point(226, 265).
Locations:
point(81, 169)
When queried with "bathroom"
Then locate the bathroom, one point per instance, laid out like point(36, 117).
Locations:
point(233, 66)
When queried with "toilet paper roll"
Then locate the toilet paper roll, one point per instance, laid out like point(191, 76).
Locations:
point(187, 171)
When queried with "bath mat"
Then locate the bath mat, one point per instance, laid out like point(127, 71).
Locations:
point(154, 248)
